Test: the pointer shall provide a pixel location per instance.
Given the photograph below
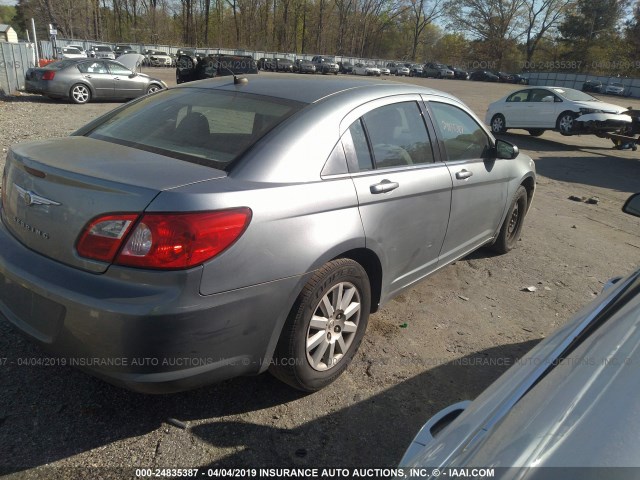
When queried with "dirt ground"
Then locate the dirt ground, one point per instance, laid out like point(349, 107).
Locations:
point(443, 341)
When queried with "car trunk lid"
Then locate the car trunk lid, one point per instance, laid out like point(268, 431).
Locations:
point(53, 188)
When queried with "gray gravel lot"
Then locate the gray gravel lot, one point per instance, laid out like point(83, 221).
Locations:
point(443, 341)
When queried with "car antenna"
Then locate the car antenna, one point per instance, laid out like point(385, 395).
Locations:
point(236, 79)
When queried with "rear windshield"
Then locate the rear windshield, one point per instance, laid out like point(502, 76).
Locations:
point(61, 64)
point(208, 127)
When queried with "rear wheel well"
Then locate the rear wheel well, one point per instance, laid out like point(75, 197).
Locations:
point(372, 266)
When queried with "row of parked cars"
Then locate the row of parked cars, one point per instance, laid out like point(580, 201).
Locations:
point(596, 86)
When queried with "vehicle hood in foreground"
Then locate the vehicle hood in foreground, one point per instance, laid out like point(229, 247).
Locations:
point(55, 187)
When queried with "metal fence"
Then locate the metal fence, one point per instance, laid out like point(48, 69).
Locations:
point(15, 59)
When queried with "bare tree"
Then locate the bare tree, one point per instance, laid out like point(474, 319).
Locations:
point(423, 13)
point(542, 15)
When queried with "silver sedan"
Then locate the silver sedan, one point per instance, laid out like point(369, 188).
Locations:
point(83, 80)
point(237, 225)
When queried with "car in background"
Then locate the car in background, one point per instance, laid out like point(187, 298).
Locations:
point(437, 70)
point(101, 51)
point(566, 110)
point(364, 69)
point(384, 70)
point(402, 70)
point(504, 77)
point(84, 80)
point(325, 64)
point(71, 52)
point(593, 86)
point(570, 402)
point(345, 67)
point(614, 88)
point(459, 73)
point(483, 76)
point(415, 70)
point(81, 48)
point(283, 65)
point(264, 63)
point(122, 49)
point(158, 58)
point(303, 66)
point(520, 79)
point(191, 68)
point(202, 241)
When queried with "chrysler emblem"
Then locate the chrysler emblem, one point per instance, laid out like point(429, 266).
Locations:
point(32, 198)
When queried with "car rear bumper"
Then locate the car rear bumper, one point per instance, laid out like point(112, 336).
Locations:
point(148, 331)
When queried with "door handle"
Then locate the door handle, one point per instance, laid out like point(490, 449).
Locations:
point(384, 186)
point(463, 174)
point(87, 76)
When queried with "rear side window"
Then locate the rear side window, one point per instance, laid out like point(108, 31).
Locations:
point(92, 67)
point(209, 127)
point(463, 138)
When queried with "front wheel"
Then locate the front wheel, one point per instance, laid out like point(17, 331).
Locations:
point(512, 226)
point(565, 123)
point(325, 327)
point(498, 124)
point(80, 94)
point(153, 88)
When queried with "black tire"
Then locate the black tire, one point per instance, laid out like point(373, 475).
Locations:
point(564, 124)
point(512, 226)
point(80, 94)
point(536, 132)
point(310, 369)
point(498, 124)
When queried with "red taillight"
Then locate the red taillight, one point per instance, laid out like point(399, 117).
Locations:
point(102, 237)
point(163, 240)
point(48, 75)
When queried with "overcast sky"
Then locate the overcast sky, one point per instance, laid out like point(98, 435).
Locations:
point(8, 2)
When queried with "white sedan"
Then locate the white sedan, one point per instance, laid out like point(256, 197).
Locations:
point(362, 69)
point(566, 110)
point(72, 52)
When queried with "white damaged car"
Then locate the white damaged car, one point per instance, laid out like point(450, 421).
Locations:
point(565, 110)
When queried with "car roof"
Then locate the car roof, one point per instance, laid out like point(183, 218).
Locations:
point(313, 89)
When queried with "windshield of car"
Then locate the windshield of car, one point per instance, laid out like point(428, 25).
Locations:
point(574, 95)
point(102, 49)
point(208, 127)
point(616, 85)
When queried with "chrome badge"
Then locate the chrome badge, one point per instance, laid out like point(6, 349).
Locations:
point(32, 198)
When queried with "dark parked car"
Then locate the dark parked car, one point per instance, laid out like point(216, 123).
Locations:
point(520, 79)
point(504, 77)
point(303, 66)
point(190, 68)
point(189, 228)
point(572, 401)
point(325, 65)
point(593, 86)
point(415, 70)
point(264, 63)
point(122, 49)
point(83, 80)
point(436, 70)
point(283, 65)
point(483, 76)
point(459, 73)
point(345, 67)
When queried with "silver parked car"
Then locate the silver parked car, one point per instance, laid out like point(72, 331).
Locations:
point(230, 226)
point(572, 401)
point(83, 80)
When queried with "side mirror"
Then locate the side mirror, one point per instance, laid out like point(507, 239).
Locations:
point(632, 205)
point(506, 150)
point(133, 74)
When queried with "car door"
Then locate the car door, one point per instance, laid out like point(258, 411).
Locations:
point(404, 192)
point(126, 85)
point(542, 108)
point(480, 181)
point(95, 72)
point(515, 109)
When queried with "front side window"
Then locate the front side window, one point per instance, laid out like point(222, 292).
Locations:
point(463, 138)
point(398, 135)
point(209, 127)
point(520, 96)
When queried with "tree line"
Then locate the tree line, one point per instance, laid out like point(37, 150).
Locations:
point(595, 36)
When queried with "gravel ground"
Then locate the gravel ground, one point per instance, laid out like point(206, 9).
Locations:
point(424, 350)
